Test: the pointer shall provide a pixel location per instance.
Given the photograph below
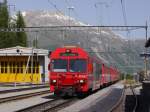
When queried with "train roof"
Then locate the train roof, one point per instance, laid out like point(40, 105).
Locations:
point(70, 50)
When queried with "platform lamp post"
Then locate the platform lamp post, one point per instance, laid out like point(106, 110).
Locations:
point(146, 84)
point(147, 44)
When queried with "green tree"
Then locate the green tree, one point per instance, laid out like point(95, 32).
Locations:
point(21, 37)
point(10, 39)
point(129, 76)
point(4, 15)
point(7, 39)
point(4, 20)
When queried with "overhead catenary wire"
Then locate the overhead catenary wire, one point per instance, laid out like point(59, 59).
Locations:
point(55, 6)
point(74, 10)
point(125, 23)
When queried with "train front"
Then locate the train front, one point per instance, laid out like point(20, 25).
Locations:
point(68, 71)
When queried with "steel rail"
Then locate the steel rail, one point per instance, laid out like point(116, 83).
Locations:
point(23, 96)
point(136, 99)
point(52, 105)
point(60, 106)
point(22, 89)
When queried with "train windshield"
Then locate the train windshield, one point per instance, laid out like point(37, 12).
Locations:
point(59, 65)
point(79, 65)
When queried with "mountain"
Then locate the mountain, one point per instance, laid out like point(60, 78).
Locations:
point(110, 47)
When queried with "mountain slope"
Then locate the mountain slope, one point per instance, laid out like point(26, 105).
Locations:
point(107, 45)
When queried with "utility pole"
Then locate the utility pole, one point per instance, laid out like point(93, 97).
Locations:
point(70, 8)
point(146, 75)
point(101, 4)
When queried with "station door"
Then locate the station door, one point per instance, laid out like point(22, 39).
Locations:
point(17, 69)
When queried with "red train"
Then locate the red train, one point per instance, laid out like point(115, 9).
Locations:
point(73, 71)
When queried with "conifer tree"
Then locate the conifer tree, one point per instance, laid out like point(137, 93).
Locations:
point(4, 15)
point(4, 20)
point(11, 39)
point(21, 38)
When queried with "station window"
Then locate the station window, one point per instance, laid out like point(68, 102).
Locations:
point(37, 67)
point(14, 67)
point(29, 67)
point(5, 67)
point(2, 67)
point(21, 67)
point(18, 67)
point(10, 67)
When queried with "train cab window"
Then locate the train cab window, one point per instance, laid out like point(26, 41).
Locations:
point(78, 65)
point(59, 65)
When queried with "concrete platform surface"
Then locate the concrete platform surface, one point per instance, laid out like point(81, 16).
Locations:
point(88, 104)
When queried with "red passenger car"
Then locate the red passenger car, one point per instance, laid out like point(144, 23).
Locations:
point(73, 71)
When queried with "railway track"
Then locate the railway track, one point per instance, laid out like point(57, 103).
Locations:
point(50, 106)
point(23, 96)
point(22, 89)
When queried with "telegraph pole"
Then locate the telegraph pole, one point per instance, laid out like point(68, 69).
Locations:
point(70, 8)
point(146, 75)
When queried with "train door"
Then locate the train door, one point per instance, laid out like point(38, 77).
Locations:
point(103, 75)
point(97, 75)
point(94, 76)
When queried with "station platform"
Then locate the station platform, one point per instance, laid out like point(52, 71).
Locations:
point(102, 101)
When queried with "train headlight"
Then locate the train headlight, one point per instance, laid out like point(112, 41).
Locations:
point(54, 81)
point(81, 81)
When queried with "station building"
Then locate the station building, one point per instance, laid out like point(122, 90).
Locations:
point(23, 65)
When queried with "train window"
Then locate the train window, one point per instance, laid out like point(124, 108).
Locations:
point(98, 70)
point(68, 54)
point(59, 65)
point(94, 68)
point(79, 65)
